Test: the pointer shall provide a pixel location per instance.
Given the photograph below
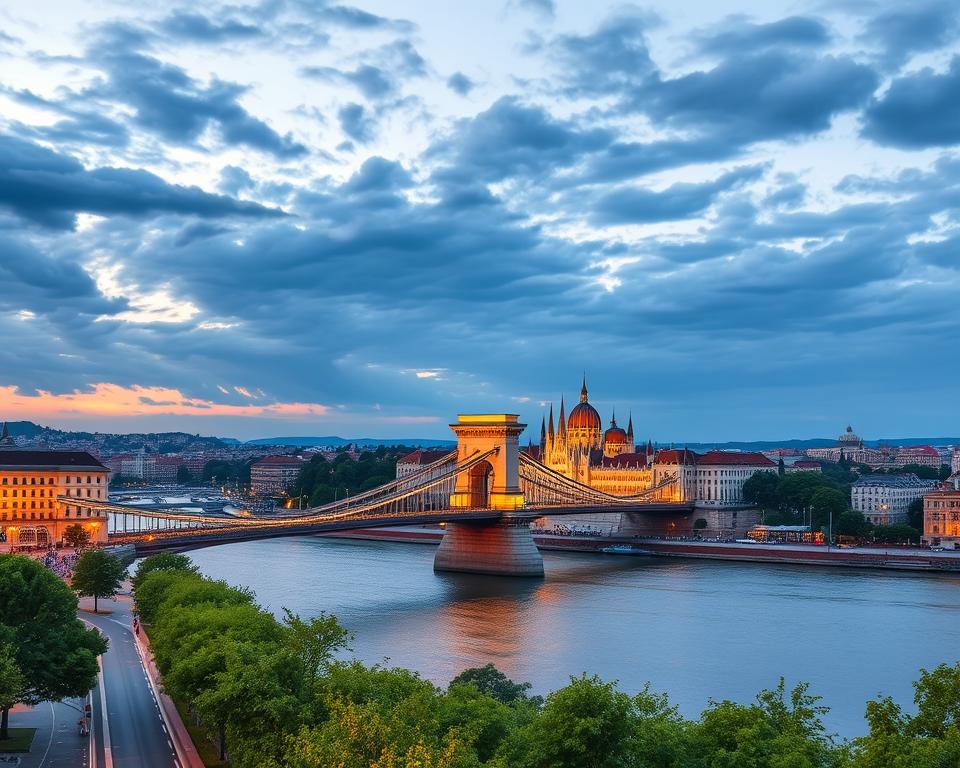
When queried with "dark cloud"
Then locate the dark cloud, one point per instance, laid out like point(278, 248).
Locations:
point(43, 186)
point(170, 103)
point(634, 205)
point(608, 61)
point(186, 25)
point(80, 124)
point(547, 8)
point(514, 139)
point(736, 35)
point(371, 81)
point(460, 83)
point(357, 122)
point(912, 28)
point(382, 74)
point(917, 110)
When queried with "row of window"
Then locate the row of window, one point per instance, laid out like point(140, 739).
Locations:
point(954, 516)
point(43, 492)
point(50, 481)
point(42, 515)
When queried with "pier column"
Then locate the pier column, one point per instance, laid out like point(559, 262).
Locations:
point(503, 548)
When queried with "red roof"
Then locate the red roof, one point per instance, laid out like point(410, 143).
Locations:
point(734, 458)
point(422, 457)
point(675, 456)
point(926, 450)
point(279, 461)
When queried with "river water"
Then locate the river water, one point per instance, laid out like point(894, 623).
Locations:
point(695, 629)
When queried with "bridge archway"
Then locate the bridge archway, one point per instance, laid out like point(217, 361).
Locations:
point(483, 433)
point(481, 481)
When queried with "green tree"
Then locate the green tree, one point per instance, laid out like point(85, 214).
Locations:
point(55, 653)
point(12, 683)
point(826, 504)
point(852, 523)
point(915, 514)
point(165, 561)
point(761, 489)
point(895, 533)
point(184, 476)
point(76, 536)
point(587, 724)
point(492, 682)
point(97, 574)
point(313, 642)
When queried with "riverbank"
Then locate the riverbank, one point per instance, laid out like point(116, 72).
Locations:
point(887, 558)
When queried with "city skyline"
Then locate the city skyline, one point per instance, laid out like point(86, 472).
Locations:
point(308, 218)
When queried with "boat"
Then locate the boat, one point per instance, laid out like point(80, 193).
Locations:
point(624, 549)
point(212, 506)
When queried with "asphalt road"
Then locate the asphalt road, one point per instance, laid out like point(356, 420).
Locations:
point(138, 737)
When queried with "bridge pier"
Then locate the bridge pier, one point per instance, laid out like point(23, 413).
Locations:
point(502, 548)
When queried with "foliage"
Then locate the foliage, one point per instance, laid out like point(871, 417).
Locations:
point(323, 481)
point(54, 652)
point(12, 681)
point(761, 489)
point(184, 476)
point(76, 536)
point(273, 694)
point(97, 574)
point(895, 533)
point(227, 472)
point(492, 682)
point(915, 514)
point(165, 561)
point(851, 523)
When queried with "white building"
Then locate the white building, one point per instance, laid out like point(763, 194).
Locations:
point(885, 499)
point(955, 461)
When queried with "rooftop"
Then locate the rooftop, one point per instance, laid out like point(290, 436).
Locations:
point(905, 480)
point(14, 459)
point(735, 459)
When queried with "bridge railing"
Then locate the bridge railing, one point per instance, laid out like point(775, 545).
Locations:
point(544, 486)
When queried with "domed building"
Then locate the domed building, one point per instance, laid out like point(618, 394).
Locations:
point(616, 440)
point(584, 425)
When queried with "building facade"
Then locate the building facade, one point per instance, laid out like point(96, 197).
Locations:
point(43, 492)
point(941, 515)
point(273, 475)
point(886, 499)
point(955, 461)
point(849, 447)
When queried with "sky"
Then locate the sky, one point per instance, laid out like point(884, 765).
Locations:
point(289, 217)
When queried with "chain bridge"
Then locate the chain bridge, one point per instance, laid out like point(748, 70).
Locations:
point(487, 492)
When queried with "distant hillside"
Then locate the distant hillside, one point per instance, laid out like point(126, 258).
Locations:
point(769, 445)
point(365, 442)
point(106, 442)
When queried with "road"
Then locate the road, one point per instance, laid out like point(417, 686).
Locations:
point(134, 727)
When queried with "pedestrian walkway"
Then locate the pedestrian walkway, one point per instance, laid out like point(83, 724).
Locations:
point(56, 744)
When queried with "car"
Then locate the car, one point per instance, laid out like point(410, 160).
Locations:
point(936, 549)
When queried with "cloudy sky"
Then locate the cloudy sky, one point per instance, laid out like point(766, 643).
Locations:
point(299, 217)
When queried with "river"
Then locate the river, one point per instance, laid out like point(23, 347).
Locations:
point(697, 630)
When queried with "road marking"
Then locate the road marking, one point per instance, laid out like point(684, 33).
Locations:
point(107, 748)
point(53, 730)
point(91, 747)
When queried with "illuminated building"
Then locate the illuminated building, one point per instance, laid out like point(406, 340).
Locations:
point(419, 460)
point(850, 447)
point(31, 486)
point(273, 475)
point(941, 515)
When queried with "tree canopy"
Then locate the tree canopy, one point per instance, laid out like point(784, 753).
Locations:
point(97, 574)
point(54, 652)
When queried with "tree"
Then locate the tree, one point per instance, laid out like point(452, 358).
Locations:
point(165, 561)
point(97, 574)
point(12, 683)
point(761, 489)
point(76, 536)
point(491, 681)
point(915, 514)
point(587, 724)
point(895, 533)
point(313, 642)
point(852, 523)
point(184, 477)
point(55, 653)
point(826, 504)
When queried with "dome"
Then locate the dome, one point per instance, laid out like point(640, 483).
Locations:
point(615, 436)
point(584, 416)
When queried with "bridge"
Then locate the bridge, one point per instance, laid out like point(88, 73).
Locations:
point(486, 492)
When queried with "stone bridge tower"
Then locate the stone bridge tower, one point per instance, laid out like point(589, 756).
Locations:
point(503, 546)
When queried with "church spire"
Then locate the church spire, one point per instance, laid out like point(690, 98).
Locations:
point(562, 425)
point(5, 440)
point(583, 389)
point(550, 428)
point(613, 417)
point(630, 428)
point(543, 433)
